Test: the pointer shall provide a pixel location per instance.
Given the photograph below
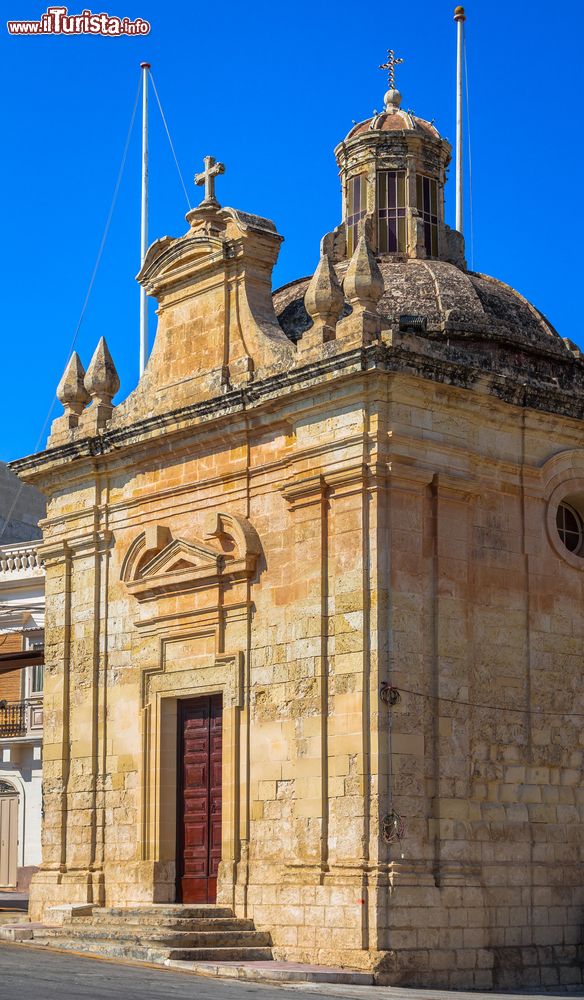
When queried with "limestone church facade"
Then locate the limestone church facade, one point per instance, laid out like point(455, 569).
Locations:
point(314, 626)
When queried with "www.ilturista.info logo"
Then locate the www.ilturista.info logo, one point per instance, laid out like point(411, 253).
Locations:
point(58, 21)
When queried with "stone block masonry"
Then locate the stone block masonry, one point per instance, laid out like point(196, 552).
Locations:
point(300, 529)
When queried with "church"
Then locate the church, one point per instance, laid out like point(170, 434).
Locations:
point(314, 628)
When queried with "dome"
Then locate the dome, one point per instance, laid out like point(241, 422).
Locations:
point(394, 121)
point(393, 169)
point(446, 304)
point(394, 166)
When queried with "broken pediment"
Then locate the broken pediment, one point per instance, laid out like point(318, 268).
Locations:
point(157, 564)
point(217, 327)
point(169, 262)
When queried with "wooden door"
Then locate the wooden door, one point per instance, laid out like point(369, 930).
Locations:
point(199, 799)
point(8, 840)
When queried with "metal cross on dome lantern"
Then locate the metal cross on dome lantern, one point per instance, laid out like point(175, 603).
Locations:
point(207, 177)
point(390, 65)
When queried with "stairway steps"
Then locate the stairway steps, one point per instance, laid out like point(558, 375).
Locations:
point(159, 933)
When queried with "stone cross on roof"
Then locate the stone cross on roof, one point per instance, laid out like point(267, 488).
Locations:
point(390, 65)
point(207, 177)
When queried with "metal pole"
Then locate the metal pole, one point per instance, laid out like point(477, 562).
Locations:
point(460, 18)
point(144, 218)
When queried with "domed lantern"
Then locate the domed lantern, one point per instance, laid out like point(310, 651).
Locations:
point(393, 167)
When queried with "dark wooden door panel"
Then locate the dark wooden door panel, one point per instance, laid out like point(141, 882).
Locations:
point(199, 799)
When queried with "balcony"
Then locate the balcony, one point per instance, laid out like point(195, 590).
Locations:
point(20, 719)
point(20, 561)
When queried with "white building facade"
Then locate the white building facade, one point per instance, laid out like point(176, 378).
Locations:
point(21, 712)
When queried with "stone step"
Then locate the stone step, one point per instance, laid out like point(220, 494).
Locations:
point(220, 955)
point(139, 914)
point(211, 939)
point(276, 972)
point(160, 938)
point(141, 952)
point(109, 949)
point(163, 923)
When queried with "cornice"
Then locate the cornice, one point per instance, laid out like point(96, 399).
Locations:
point(509, 389)
point(58, 550)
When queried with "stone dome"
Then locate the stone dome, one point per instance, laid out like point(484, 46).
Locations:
point(438, 301)
point(395, 120)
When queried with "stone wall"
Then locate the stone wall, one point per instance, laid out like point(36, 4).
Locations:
point(402, 539)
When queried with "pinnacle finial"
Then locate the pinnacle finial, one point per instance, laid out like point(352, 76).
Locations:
point(324, 297)
point(102, 381)
point(71, 391)
point(363, 284)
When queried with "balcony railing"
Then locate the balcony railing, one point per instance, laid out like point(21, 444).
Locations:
point(13, 719)
point(20, 718)
point(19, 559)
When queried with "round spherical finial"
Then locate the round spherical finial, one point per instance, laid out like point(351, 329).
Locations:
point(392, 100)
point(459, 14)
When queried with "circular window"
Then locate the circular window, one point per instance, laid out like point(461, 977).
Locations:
point(570, 527)
point(564, 517)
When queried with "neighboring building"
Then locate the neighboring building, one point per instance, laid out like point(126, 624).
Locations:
point(314, 596)
point(21, 509)
point(21, 682)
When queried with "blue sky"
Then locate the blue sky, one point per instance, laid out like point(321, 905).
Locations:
point(269, 89)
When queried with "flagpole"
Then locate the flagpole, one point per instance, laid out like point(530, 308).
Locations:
point(460, 18)
point(144, 218)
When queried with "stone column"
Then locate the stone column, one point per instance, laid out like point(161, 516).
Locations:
point(451, 662)
point(310, 511)
point(84, 862)
point(353, 658)
point(46, 883)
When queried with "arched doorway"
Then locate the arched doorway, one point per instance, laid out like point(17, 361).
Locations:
point(8, 835)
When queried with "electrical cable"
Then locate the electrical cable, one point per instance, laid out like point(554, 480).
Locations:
point(170, 140)
point(104, 237)
point(493, 708)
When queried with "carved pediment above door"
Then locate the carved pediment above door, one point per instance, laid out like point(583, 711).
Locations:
point(157, 564)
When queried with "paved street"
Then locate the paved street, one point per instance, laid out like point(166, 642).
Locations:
point(29, 974)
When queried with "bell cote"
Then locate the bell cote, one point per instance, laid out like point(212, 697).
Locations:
point(393, 169)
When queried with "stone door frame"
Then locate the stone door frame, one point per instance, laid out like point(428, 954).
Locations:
point(208, 881)
point(222, 674)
